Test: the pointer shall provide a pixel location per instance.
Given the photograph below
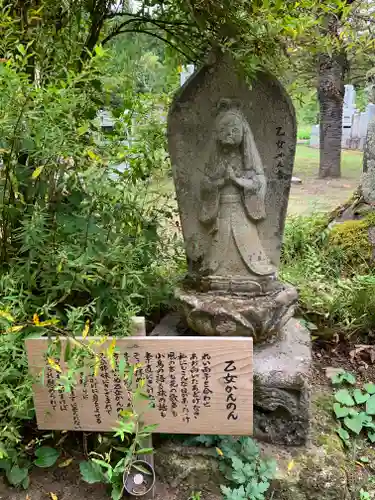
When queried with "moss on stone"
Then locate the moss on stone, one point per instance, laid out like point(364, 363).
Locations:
point(350, 241)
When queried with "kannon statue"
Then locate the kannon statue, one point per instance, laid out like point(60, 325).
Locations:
point(232, 204)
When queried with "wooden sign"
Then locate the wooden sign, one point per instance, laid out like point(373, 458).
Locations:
point(199, 385)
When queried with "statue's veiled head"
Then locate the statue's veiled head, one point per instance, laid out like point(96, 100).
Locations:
point(229, 123)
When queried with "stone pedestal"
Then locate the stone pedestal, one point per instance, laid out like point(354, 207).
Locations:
point(281, 389)
point(260, 317)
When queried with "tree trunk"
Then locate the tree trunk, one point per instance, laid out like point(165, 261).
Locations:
point(331, 98)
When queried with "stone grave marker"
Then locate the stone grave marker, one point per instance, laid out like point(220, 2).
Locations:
point(198, 385)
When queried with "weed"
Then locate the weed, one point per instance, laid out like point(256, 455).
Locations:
point(354, 407)
point(249, 475)
point(196, 495)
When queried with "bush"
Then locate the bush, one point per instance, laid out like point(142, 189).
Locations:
point(304, 133)
point(79, 243)
point(333, 272)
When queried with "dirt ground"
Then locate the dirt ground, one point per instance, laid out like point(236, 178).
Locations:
point(66, 485)
point(319, 195)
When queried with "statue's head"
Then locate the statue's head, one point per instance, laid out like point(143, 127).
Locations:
point(229, 123)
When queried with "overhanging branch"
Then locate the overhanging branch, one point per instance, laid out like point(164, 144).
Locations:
point(154, 35)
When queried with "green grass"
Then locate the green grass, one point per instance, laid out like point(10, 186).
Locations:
point(322, 195)
point(307, 162)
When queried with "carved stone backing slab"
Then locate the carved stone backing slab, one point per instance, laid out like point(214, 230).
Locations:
point(271, 117)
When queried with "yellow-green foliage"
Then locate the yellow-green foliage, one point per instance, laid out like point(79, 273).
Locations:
point(351, 242)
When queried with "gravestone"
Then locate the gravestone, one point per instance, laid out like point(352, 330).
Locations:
point(232, 149)
point(186, 72)
point(368, 173)
point(348, 114)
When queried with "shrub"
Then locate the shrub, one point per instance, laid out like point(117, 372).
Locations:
point(304, 133)
point(79, 242)
point(333, 272)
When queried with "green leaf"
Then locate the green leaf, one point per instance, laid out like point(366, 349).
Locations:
point(370, 388)
point(68, 351)
point(371, 436)
point(234, 494)
point(5, 464)
point(366, 419)
point(354, 423)
point(117, 490)
point(343, 434)
point(17, 475)
point(26, 482)
point(370, 405)
point(149, 429)
point(360, 397)
point(343, 376)
point(142, 469)
point(340, 411)
point(91, 472)
point(46, 456)
point(343, 396)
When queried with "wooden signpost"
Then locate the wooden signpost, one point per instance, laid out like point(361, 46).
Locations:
point(199, 385)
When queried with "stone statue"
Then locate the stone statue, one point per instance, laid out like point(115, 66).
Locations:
point(232, 151)
point(232, 194)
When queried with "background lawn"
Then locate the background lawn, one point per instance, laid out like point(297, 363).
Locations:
point(322, 194)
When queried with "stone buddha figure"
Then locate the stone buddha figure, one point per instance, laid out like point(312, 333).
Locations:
point(232, 203)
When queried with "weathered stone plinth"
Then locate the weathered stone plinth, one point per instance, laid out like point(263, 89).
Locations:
point(260, 317)
point(281, 382)
point(281, 387)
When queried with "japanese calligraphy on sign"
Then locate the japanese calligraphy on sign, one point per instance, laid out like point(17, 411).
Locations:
point(198, 385)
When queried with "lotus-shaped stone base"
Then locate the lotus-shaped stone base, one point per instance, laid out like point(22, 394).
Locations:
point(260, 317)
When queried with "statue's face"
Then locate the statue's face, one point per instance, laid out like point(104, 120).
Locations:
point(230, 130)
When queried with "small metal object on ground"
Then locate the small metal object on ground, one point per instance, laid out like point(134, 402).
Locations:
point(140, 479)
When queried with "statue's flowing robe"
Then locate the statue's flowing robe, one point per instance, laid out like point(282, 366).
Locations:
point(230, 213)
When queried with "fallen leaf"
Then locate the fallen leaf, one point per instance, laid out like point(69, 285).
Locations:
point(53, 496)
point(66, 463)
point(291, 465)
point(368, 349)
point(28, 497)
point(219, 452)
